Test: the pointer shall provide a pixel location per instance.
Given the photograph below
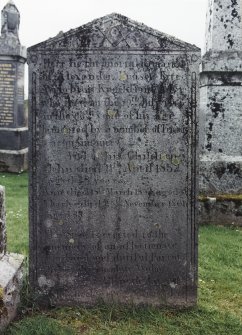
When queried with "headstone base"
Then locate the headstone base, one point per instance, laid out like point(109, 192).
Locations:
point(220, 190)
point(14, 138)
point(14, 160)
point(11, 276)
point(221, 211)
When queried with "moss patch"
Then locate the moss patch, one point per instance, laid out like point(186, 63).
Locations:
point(221, 197)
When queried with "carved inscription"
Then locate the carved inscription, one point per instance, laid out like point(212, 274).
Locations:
point(113, 171)
point(7, 91)
point(20, 86)
point(113, 148)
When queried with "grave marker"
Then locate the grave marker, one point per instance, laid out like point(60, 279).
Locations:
point(113, 166)
point(13, 118)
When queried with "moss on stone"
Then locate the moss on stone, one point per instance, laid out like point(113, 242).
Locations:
point(3, 309)
point(221, 197)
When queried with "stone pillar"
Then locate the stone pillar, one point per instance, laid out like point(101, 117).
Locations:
point(13, 118)
point(11, 273)
point(221, 115)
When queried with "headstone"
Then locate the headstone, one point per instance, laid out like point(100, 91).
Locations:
point(113, 166)
point(221, 105)
point(11, 273)
point(13, 117)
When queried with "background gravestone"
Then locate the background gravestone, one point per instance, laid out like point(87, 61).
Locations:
point(113, 166)
point(221, 106)
point(13, 118)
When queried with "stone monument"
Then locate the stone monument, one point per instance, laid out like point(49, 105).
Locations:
point(11, 272)
point(113, 130)
point(221, 112)
point(13, 118)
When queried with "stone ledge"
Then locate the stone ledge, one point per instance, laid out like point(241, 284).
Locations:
point(14, 152)
point(14, 140)
point(223, 210)
point(14, 161)
point(222, 61)
point(220, 176)
point(11, 277)
point(18, 130)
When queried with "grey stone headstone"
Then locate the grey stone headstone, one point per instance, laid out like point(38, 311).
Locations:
point(113, 166)
point(13, 118)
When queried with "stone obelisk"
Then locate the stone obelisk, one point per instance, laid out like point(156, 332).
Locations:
point(13, 118)
point(221, 114)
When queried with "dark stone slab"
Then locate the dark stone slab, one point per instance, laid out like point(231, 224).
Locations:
point(12, 114)
point(14, 138)
point(113, 166)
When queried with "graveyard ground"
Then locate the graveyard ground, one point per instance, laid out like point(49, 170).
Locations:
point(219, 310)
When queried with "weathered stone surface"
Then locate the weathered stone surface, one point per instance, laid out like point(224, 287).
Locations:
point(13, 119)
point(221, 211)
point(113, 166)
point(221, 102)
point(224, 31)
point(3, 234)
point(9, 39)
point(15, 161)
point(11, 276)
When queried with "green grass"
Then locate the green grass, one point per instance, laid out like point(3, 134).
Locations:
point(219, 310)
point(16, 189)
point(40, 325)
